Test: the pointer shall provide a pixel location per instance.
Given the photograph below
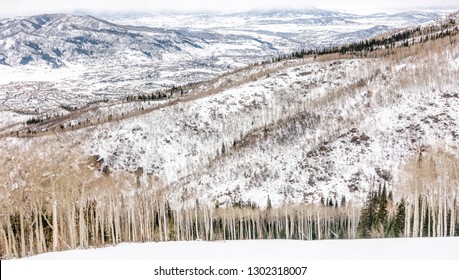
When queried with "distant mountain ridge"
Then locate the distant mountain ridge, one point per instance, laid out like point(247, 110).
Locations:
point(57, 38)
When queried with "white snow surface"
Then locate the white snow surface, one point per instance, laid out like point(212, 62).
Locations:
point(362, 249)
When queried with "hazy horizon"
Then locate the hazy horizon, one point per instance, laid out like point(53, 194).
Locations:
point(13, 8)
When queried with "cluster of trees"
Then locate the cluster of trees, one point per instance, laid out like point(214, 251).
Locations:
point(143, 216)
point(296, 54)
point(48, 117)
point(145, 97)
point(34, 120)
point(159, 94)
point(49, 206)
point(375, 220)
point(428, 203)
point(103, 100)
point(403, 38)
point(69, 108)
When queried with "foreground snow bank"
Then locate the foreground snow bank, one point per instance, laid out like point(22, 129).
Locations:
point(401, 248)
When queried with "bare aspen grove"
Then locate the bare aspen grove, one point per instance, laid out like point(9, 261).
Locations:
point(49, 206)
point(54, 207)
point(55, 195)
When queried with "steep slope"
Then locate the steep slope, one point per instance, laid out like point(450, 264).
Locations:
point(276, 137)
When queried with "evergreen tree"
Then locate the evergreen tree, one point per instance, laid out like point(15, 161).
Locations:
point(223, 148)
point(269, 204)
point(330, 202)
point(399, 223)
point(381, 215)
point(343, 201)
point(367, 216)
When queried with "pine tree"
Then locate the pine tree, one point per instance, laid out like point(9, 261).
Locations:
point(268, 204)
point(367, 216)
point(381, 215)
point(399, 223)
point(343, 201)
point(330, 202)
point(223, 148)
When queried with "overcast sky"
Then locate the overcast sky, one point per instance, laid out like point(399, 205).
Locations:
point(10, 8)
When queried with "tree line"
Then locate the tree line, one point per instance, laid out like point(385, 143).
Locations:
point(49, 206)
point(404, 38)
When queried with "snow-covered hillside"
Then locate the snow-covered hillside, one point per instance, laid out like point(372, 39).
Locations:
point(231, 147)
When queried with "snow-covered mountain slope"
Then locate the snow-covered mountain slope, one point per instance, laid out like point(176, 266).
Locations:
point(56, 39)
point(269, 137)
point(297, 130)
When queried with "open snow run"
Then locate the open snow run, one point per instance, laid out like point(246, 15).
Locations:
point(362, 249)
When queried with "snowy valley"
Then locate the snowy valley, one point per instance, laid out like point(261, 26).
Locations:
point(51, 62)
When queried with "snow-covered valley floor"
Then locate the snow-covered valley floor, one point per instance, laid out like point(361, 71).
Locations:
point(360, 249)
point(375, 259)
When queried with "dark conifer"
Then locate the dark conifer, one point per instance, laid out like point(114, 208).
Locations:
point(399, 223)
